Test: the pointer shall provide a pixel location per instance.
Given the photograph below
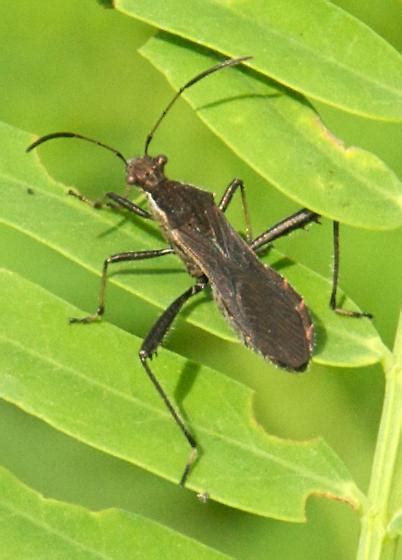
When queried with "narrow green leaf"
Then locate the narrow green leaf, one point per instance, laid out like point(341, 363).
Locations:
point(283, 139)
point(68, 376)
point(315, 47)
point(59, 222)
point(35, 528)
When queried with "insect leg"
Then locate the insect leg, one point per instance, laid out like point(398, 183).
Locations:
point(335, 279)
point(119, 257)
point(128, 205)
point(148, 349)
point(118, 199)
point(297, 220)
point(227, 197)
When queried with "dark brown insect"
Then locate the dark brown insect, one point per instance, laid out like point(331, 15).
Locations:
point(269, 315)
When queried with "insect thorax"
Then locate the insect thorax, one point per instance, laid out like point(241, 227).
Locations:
point(177, 207)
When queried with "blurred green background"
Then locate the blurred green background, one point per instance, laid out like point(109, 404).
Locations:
point(74, 66)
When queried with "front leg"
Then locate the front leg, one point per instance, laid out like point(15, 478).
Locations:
point(119, 257)
point(121, 201)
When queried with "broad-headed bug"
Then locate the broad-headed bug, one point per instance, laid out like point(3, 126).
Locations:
point(268, 314)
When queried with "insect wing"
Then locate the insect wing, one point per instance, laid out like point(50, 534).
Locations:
point(269, 315)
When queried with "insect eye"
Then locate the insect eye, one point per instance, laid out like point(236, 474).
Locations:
point(161, 160)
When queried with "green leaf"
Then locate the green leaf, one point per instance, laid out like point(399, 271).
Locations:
point(283, 139)
point(313, 47)
point(59, 222)
point(34, 528)
point(102, 397)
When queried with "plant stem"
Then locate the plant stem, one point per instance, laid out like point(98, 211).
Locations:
point(373, 537)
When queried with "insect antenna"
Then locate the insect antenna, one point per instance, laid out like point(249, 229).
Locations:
point(53, 135)
point(225, 64)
